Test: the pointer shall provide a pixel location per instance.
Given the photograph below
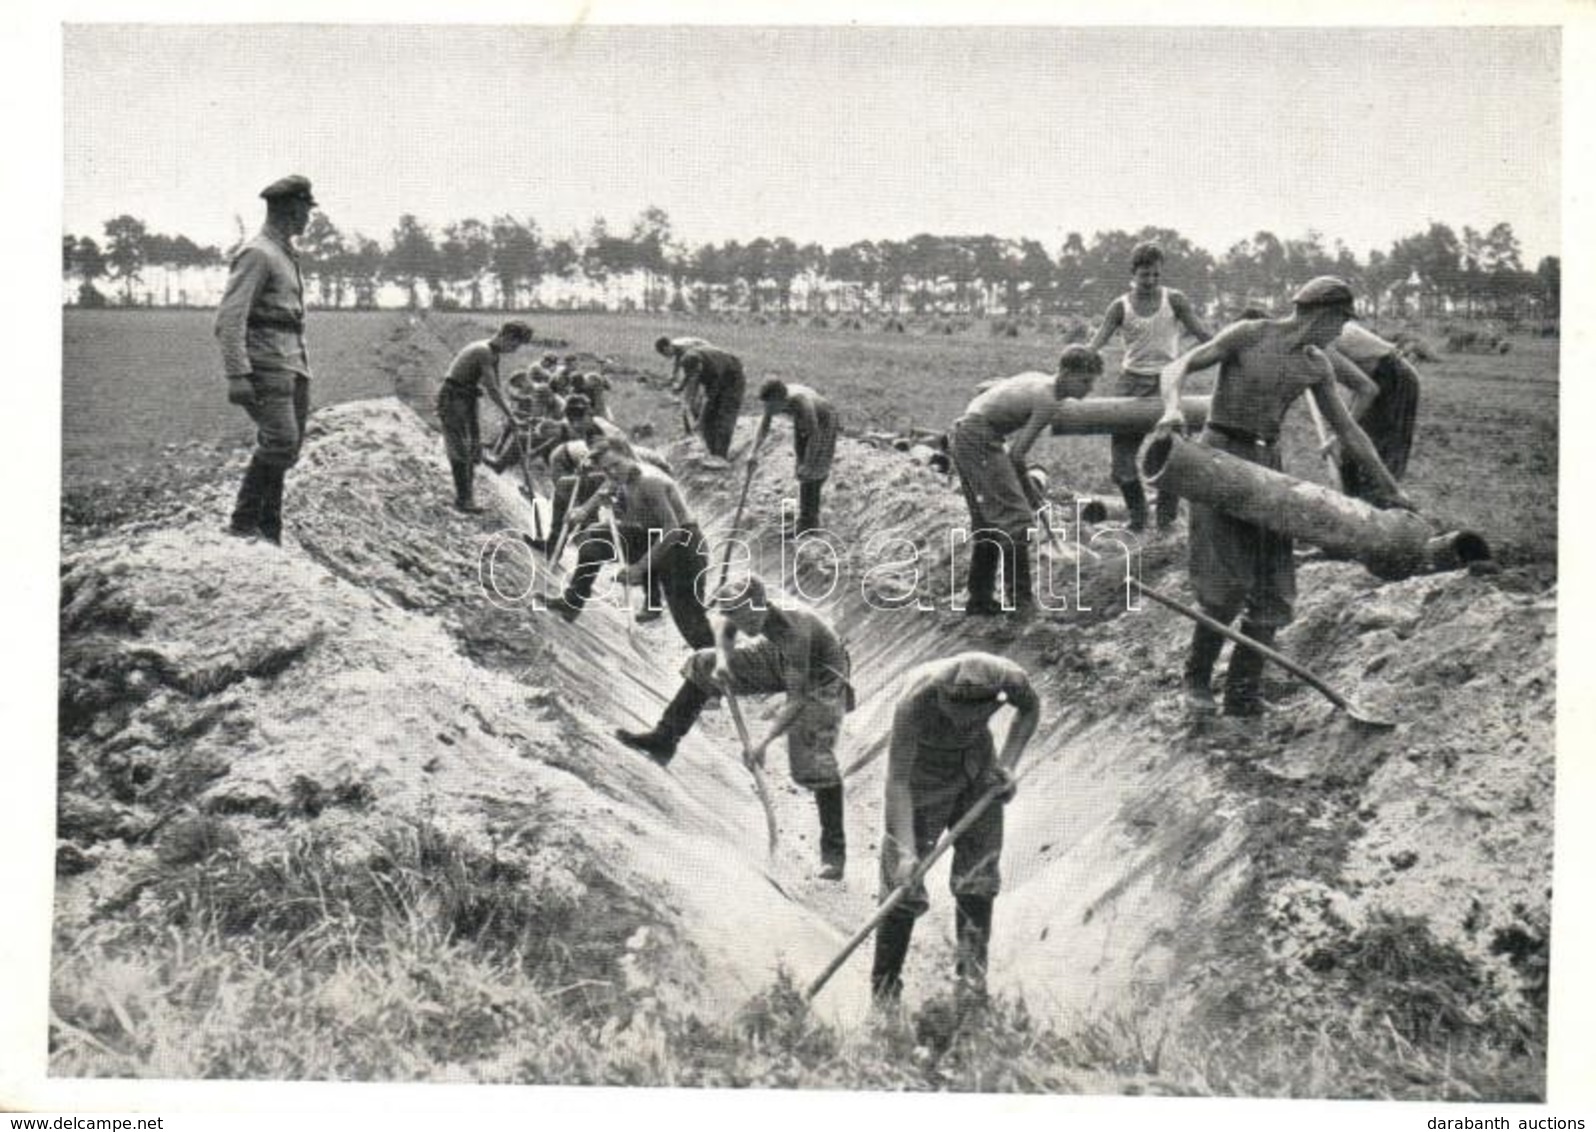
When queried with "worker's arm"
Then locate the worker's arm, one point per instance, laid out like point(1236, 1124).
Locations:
point(1040, 418)
point(1188, 317)
point(490, 382)
point(1112, 318)
point(1353, 438)
point(1210, 353)
point(1364, 390)
point(791, 709)
point(248, 276)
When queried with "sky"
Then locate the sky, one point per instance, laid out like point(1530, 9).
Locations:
point(830, 134)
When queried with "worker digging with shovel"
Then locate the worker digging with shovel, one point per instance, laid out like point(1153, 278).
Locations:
point(791, 650)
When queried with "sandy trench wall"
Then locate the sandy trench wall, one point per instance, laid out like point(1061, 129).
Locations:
point(211, 674)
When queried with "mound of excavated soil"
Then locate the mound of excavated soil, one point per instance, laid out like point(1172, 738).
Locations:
point(1150, 871)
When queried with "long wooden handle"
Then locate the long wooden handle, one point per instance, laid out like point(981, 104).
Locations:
point(742, 499)
point(1324, 443)
point(896, 896)
point(760, 787)
point(1240, 638)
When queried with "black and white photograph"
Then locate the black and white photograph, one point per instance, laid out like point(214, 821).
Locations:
point(883, 556)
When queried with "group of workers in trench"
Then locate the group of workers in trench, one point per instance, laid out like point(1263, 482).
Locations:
point(943, 767)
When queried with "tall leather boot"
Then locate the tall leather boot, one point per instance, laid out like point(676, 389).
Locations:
point(892, 948)
point(271, 505)
point(833, 842)
point(1199, 676)
point(462, 487)
point(1244, 676)
point(246, 511)
point(985, 557)
point(808, 507)
point(1167, 510)
point(1135, 504)
point(972, 922)
point(1017, 588)
point(676, 721)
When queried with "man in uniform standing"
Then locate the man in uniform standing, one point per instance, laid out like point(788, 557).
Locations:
point(1149, 318)
point(940, 762)
point(1236, 567)
point(795, 651)
point(643, 499)
point(474, 369)
point(814, 435)
point(1016, 409)
point(260, 325)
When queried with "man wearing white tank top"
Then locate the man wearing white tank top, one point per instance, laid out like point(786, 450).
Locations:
point(1149, 318)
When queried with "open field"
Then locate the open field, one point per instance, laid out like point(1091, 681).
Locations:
point(1485, 457)
point(329, 812)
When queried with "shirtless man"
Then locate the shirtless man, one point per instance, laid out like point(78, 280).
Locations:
point(1236, 567)
point(814, 437)
point(1016, 409)
point(1149, 318)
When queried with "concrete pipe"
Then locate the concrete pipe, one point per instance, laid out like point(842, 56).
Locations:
point(1390, 543)
point(1104, 416)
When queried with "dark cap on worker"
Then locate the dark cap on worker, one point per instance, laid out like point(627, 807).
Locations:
point(1324, 291)
point(292, 185)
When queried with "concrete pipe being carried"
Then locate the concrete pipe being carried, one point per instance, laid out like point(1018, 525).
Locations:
point(1392, 544)
point(1104, 416)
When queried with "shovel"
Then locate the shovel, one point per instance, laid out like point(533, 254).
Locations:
point(742, 500)
point(1352, 711)
point(1325, 441)
point(753, 768)
point(895, 897)
point(626, 590)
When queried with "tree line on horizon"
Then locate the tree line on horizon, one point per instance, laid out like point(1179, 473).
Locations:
point(1431, 272)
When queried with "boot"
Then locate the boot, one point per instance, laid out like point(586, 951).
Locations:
point(271, 505)
point(833, 843)
point(1199, 692)
point(892, 948)
point(985, 557)
point(972, 921)
point(1244, 677)
point(246, 512)
point(678, 719)
point(1166, 511)
point(808, 507)
point(1135, 504)
point(1017, 587)
point(462, 487)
